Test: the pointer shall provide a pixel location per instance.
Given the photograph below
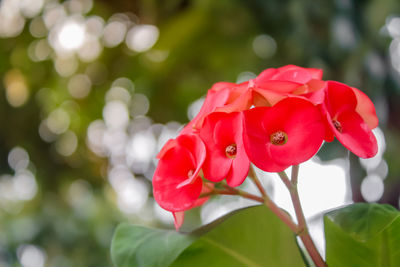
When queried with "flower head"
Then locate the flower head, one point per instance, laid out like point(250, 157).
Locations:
point(286, 134)
point(226, 157)
point(347, 112)
point(176, 182)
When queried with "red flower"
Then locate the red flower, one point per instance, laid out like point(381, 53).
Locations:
point(220, 95)
point(286, 134)
point(290, 73)
point(179, 216)
point(226, 157)
point(176, 181)
point(366, 109)
point(342, 106)
point(273, 85)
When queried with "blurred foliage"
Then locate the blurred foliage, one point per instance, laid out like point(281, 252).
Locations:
point(74, 211)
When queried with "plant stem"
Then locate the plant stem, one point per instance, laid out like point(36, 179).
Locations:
point(271, 205)
point(303, 234)
point(254, 178)
point(282, 215)
point(244, 194)
point(285, 180)
point(295, 174)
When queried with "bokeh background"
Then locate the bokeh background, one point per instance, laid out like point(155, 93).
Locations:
point(90, 91)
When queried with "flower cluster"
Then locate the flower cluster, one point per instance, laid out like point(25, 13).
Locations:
point(274, 121)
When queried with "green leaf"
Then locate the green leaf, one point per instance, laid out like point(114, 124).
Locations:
point(363, 235)
point(248, 237)
point(134, 245)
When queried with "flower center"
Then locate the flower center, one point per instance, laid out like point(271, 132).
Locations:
point(337, 125)
point(230, 151)
point(279, 138)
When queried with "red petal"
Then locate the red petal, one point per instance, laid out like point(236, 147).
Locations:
point(240, 168)
point(222, 85)
point(172, 188)
point(270, 97)
point(294, 75)
point(315, 85)
point(194, 144)
point(178, 219)
point(189, 128)
point(339, 97)
point(366, 109)
point(315, 73)
point(168, 145)
point(316, 97)
point(278, 86)
point(180, 215)
point(257, 150)
point(216, 166)
point(299, 119)
point(302, 122)
point(219, 131)
point(356, 135)
point(266, 75)
point(171, 171)
point(207, 187)
point(255, 139)
point(242, 102)
point(215, 98)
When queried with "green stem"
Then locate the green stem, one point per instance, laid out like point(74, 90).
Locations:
point(304, 234)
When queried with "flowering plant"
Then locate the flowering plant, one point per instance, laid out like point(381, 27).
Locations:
point(278, 120)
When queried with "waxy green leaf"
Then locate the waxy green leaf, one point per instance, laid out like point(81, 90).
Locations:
point(363, 235)
point(248, 237)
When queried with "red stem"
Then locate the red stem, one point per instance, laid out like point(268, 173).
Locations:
point(304, 234)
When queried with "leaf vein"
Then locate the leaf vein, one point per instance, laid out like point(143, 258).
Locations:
point(241, 258)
